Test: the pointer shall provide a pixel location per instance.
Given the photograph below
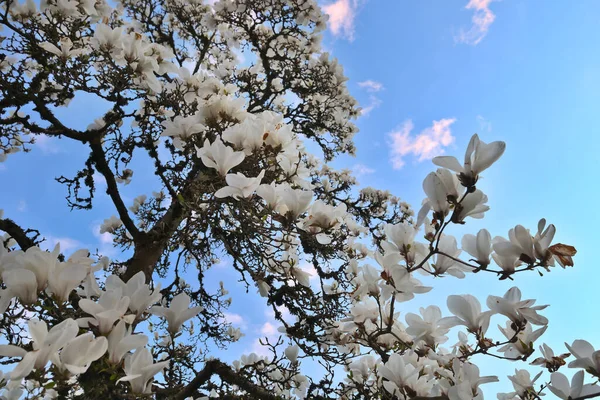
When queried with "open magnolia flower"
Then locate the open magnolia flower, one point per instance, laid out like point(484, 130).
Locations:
point(478, 157)
point(178, 312)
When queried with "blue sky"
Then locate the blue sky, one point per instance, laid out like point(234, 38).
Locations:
point(526, 72)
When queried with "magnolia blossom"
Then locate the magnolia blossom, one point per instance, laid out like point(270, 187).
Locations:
point(480, 246)
point(586, 356)
point(65, 49)
point(121, 341)
point(559, 385)
point(522, 383)
point(519, 245)
point(445, 261)
point(79, 353)
point(467, 311)
point(467, 381)
point(291, 353)
point(428, 327)
point(526, 337)
point(110, 225)
point(178, 312)
point(111, 306)
point(549, 360)
point(140, 295)
point(239, 186)
point(516, 309)
point(219, 156)
point(478, 157)
point(443, 190)
point(45, 344)
point(140, 370)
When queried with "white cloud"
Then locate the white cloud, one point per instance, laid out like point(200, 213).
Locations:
point(374, 102)
point(484, 124)
point(22, 206)
point(482, 19)
point(66, 244)
point(341, 17)
point(371, 86)
point(361, 169)
point(104, 238)
point(430, 142)
point(268, 329)
point(47, 144)
point(234, 319)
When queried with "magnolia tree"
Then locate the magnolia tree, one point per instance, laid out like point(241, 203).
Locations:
point(224, 139)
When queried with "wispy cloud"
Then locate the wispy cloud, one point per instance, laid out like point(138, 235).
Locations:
point(22, 206)
point(430, 142)
point(66, 244)
point(361, 169)
point(48, 145)
point(371, 86)
point(234, 319)
point(484, 124)
point(374, 102)
point(341, 17)
point(482, 19)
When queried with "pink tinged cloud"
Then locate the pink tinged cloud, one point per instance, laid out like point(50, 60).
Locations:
point(429, 143)
point(482, 19)
point(341, 17)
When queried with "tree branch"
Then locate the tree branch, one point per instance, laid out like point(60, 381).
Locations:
point(17, 233)
point(227, 374)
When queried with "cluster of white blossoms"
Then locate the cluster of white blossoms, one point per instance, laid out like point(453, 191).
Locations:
point(34, 277)
point(237, 177)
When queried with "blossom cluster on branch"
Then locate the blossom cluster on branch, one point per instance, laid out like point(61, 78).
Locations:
point(226, 141)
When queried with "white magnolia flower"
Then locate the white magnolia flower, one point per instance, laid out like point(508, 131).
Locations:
point(121, 342)
point(541, 242)
point(467, 311)
point(522, 383)
point(219, 156)
point(178, 312)
point(239, 186)
point(519, 245)
point(322, 217)
point(77, 355)
point(472, 206)
point(446, 263)
point(398, 373)
point(106, 38)
point(467, 381)
point(427, 327)
point(110, 225)
point(140, 295)
point(291, 353)
point(111, 306)
point(511, 306)
point(440, 187)
point(478, 157)
point(559, 385)
point(401, 236)
point(20, 283)
point(66, 276)
point(549, 360)
point(293, 202)
point(586, 356)
point(182, 128)
point(480, 246)
point(45, 343)
point(65, 51)
point(526, 338)
point(140, 370)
